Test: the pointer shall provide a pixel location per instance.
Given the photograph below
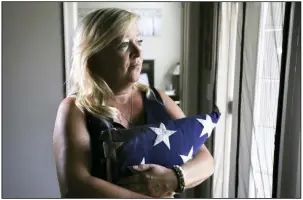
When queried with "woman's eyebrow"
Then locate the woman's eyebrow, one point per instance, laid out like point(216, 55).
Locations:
point(118, 40)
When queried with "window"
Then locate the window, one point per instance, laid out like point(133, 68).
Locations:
point(249, 62)
point(266, 99)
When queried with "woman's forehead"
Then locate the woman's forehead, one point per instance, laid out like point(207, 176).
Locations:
point(128, 35)
point(133, 31)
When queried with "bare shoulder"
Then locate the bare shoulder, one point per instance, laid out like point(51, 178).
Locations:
point(69, 118)
point(68, 106)
point(172, 108)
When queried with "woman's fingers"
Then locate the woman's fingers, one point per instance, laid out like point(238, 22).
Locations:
point(149, 179)
point(142, 167)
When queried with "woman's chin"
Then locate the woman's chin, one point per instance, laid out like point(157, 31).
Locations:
point(134, 78)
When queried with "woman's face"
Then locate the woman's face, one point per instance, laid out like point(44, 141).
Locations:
point(121, 62)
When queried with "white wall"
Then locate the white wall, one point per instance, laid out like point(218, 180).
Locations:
point(32, 70)
point(164, 49)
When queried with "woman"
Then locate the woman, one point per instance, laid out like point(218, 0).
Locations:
point(107, 60)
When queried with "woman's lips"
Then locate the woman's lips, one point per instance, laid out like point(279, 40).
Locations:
point(135, 65)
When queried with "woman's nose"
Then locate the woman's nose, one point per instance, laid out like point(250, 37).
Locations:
point(135, 51)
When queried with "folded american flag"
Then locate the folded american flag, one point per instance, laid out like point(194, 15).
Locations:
point(171, 143)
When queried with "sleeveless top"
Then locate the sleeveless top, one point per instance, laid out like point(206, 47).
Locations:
point(154, 112)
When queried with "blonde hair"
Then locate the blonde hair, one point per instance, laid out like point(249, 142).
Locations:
point(95, 32)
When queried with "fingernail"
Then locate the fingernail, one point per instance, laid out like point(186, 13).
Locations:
point(135, 166)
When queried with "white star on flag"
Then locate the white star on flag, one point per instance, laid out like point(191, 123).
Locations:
point(143, 161)
point(162, 134)
point(189, 156)
point(208, 125)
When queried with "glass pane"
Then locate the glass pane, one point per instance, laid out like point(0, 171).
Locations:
point(266, 99)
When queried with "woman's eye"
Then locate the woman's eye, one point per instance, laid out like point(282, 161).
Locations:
point(124, 45)
point(140, 42)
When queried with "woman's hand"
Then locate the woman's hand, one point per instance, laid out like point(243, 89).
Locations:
point(152, 180)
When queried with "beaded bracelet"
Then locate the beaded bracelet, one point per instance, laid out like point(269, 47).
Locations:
point(180, 176)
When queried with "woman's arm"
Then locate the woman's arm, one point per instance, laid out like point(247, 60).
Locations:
point(194, 175)
point(72, 151)
point(202, 160)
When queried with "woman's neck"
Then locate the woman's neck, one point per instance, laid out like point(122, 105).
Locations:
point(122, 95)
